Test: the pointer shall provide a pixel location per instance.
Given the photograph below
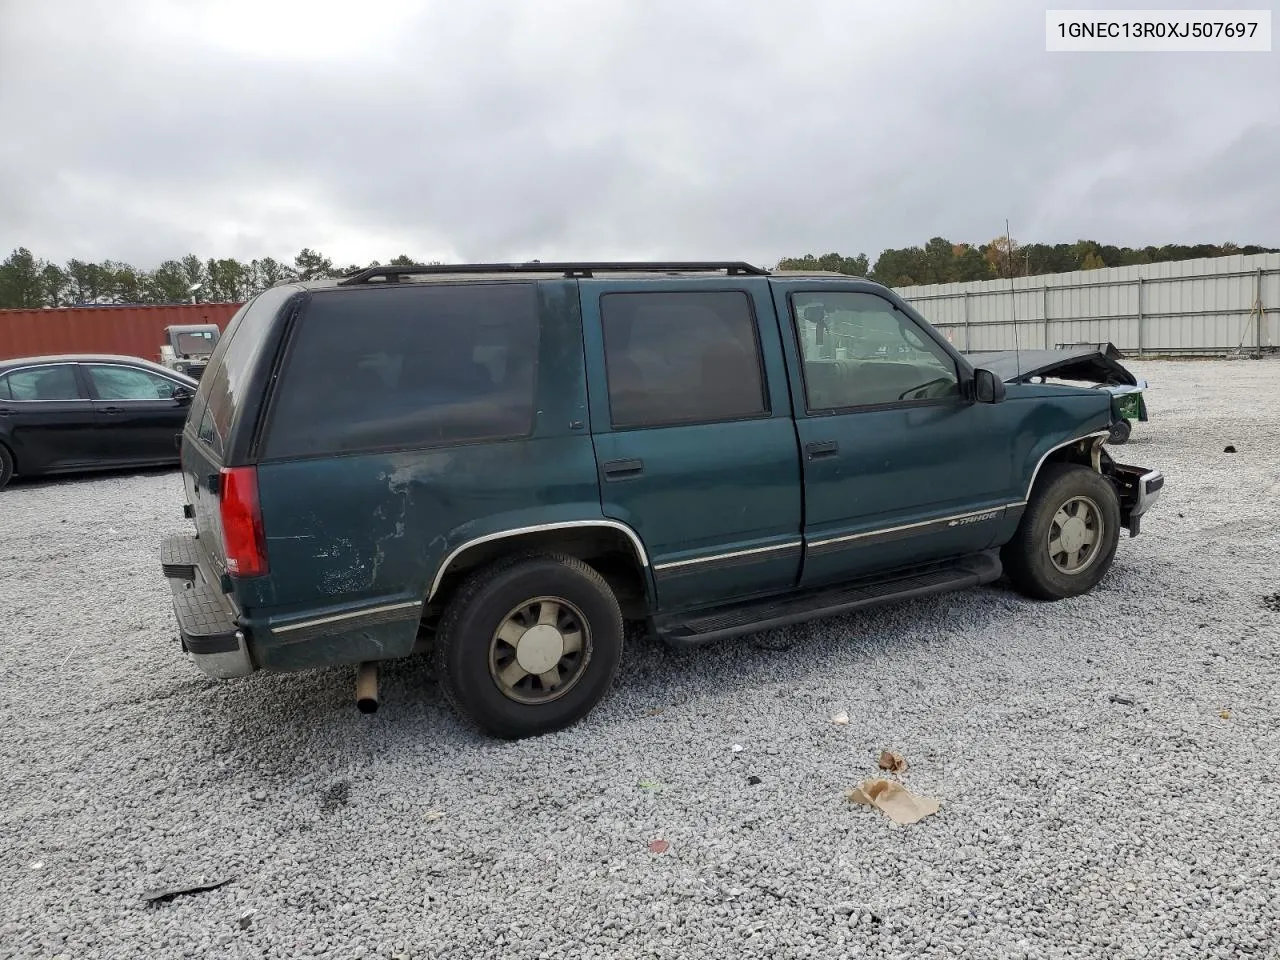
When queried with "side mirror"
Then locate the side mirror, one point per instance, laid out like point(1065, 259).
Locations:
point(183, 395)
point(987, 387)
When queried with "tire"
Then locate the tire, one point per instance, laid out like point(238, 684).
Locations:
point(6, 466)
point(1120, 431)
point(494, 683)
point(1037, 572)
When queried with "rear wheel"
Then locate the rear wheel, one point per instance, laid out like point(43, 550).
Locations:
point(6, 466)
point(1068, 535)
point(530, 644)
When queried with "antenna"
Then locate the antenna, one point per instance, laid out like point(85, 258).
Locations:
point(1013, 303)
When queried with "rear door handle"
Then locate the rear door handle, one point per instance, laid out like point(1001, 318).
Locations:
point(110, 409)
point(5, 412)
point(821, 448)
point(623, 469)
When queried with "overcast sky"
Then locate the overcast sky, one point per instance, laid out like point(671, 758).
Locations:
point(481, 130)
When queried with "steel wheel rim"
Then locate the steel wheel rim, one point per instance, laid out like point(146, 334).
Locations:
point(1075, 535)
point(540, 650)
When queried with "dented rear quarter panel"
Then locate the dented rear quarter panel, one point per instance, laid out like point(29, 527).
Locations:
point(351, 531)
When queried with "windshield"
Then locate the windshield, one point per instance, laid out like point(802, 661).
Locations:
point(199, 342)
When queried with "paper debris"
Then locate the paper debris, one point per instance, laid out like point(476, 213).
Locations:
point(659, 846)
point(737, 748)
point(841, 719)
point(892, 799)
point(431, 815)
point(893, 762)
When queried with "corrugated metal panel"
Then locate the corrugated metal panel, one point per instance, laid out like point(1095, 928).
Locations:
point(1188, 306)
point(129, 330)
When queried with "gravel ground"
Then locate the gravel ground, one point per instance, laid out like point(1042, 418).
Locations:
point(1071, 825)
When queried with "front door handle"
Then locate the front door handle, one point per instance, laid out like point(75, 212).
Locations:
point(821, 448)
point(623, 469)
point(5, 412)
point(111, 410)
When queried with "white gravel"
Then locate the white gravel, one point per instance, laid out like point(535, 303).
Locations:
point(1071, 826)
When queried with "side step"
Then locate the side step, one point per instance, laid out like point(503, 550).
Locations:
point(707, 625)
point(178, 557)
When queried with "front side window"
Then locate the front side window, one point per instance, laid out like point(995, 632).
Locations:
point(860, 351)
point(55, 382)
point(114, 382)
point(414, 366)
point(689, 357)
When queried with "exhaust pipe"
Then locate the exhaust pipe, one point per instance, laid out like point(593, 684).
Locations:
point(367, 687)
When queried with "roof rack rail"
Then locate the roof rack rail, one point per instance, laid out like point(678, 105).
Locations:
point(570, 270)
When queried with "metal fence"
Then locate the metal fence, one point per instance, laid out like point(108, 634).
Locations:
point(1212, 306)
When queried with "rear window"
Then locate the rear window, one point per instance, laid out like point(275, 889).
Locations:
point(222, 388)
point(411, 366)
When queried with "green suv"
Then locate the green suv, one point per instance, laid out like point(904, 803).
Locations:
point(502, 463)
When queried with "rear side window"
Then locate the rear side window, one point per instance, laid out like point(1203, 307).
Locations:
point(413, 366)
point(54, 382)
point(5, 394)
point(235, 357)
point(681, 357)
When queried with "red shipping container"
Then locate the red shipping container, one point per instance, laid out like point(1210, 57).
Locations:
point(136, 330)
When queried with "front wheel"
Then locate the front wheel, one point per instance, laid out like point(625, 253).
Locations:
point(1068, 535)
point(6, 466)
point(1119, 432)
point(530, 644)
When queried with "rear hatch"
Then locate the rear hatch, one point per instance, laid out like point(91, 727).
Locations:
point(217, 470)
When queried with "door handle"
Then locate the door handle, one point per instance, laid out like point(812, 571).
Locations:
point(623, 469)
point(821, 448)
point(110, 409)
point(5, 412)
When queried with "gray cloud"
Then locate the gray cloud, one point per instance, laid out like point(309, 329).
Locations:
point(142, 130)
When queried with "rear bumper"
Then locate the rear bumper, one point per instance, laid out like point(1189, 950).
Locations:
point(207, 620)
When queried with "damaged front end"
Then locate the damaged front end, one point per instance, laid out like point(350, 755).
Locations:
point(1138, 488)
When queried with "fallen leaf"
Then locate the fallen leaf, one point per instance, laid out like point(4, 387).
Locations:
point(658, 846)
point(654, 712)
point(165, 895)
point(431, 815)
point(893, 762)
point(840, 719)
point(892, 799)
point(1225, 714)
point(1122, 700)
point(753, 781)
point(650, 785)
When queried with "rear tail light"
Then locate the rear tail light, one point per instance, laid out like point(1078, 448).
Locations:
point(242, 532)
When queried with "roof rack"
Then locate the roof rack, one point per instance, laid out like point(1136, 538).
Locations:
point(392, 274)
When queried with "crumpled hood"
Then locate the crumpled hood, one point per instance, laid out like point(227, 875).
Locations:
point(1091, 362)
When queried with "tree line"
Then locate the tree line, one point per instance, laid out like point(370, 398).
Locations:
point(29, 282)
point(941, 261)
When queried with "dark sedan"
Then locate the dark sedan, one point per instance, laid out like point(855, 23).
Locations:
point(72, 413)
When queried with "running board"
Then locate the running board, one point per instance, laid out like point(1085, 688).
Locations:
point(706, 626)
